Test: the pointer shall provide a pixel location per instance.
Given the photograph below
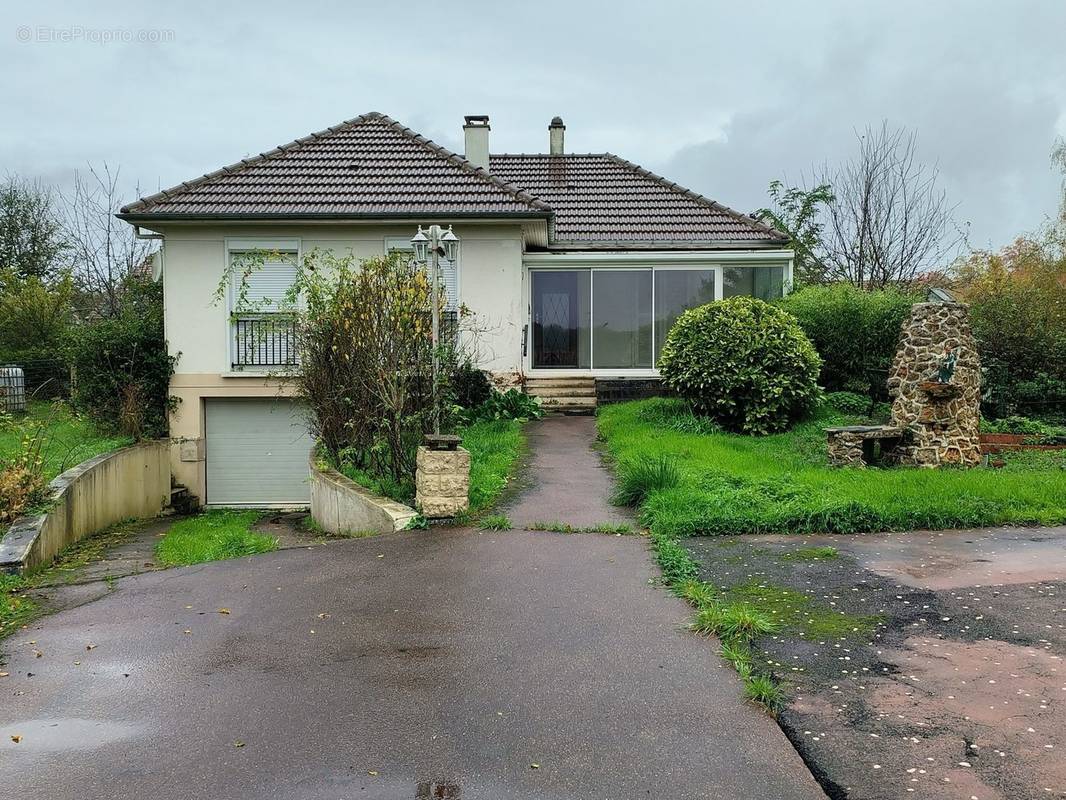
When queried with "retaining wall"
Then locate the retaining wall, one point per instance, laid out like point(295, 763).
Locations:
point(133, 482)
point(343, 507)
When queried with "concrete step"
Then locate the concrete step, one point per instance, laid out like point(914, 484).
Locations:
point(562, 391)
point(555, 383)
point(568, 402)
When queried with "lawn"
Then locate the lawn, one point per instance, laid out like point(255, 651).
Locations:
point(69, 438)
point(494, 446)
point(213, 536)
point(707, 483)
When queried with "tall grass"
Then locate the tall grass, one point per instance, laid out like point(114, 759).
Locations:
point(730, 483)
point(494, 447)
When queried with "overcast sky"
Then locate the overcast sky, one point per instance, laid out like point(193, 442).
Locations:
point(717, 96)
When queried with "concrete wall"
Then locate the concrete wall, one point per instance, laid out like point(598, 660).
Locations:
point(130, 483)
point(341, 506)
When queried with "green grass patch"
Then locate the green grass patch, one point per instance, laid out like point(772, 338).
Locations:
point(495, 522)
point(69, 438)
point(639, 477)
point(796, 613)
point(811, 554)
point(731, 483)
point(617, 528)
point(16, 609)
point(494, 446)
point(213, 536)
point(764, 690)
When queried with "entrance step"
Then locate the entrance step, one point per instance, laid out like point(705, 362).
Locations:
point(181, 501)
point(566, 395)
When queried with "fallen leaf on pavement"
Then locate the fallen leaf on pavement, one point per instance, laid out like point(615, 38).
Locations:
point(238, 743)
point(534, 766)
point(223, 611)
point(371, 772)
point(4, 674)
point(90, 647)
point(16, 738)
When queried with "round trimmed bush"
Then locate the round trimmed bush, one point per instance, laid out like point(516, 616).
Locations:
point(744, 363)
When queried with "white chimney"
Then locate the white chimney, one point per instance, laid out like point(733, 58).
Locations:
point(555, 136)
point(476, 132)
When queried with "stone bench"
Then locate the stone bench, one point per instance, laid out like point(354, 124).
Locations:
point(860, 445)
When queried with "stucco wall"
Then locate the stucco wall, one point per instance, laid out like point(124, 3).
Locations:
point(130, 483)
point(490, 282)
point(341, 506)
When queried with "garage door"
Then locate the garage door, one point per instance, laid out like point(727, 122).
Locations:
point(257, 452)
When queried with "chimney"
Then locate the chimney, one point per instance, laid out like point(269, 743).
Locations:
point(555, 136)
point(476, 132)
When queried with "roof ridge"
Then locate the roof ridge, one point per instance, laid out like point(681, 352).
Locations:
point(669, 184)
point(549, 155)
point(460, 161)
point(518, 193)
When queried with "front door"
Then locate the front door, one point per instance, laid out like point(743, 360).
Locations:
point(560, 319)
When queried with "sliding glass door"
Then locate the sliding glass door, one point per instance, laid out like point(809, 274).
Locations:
point(561, 307)
point(621, 319)
point(611, 319)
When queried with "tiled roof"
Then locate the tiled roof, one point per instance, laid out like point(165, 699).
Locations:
point(602, 199)
point(370, 166)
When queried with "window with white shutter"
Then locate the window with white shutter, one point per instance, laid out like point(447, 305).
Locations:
point(263, 336)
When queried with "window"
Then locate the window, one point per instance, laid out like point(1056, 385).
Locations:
point(262, 334)
point(621, 319)
point(676, 291)
point(449, 272)
point(765, 283)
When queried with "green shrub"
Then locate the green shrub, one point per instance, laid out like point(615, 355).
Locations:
point(511, 404)
point(675, 562)
point(854, 331)
point(743, 363)
point(637, 479)
point(855, 405)
point(122, 367)
point(470, 385)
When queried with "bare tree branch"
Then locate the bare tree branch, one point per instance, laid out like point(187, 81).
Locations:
point(104, 249)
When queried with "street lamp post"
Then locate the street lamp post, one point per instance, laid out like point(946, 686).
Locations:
point(429, 247)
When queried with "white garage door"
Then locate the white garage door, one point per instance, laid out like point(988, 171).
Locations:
point(257, 451)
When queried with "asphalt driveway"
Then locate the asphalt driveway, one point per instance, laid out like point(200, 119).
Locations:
point(423, 664)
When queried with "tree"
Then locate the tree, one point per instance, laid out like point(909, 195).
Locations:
point(888, 220)
point(32, 241)
point(797, 212)
point(105, 250)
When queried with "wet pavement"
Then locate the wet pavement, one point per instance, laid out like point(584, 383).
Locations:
point(567, 483)
point(441, 663)
point(425, 664)
point(958, 691)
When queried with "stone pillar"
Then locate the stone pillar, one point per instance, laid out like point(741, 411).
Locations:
point(941, 419)
point(442, 482)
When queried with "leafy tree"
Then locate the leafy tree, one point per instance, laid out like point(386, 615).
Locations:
point(34, 315)
point(797, 211)
point(32, 240)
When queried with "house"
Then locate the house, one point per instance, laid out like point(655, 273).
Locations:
point(576, 265)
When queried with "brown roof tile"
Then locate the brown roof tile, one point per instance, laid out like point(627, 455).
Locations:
point(603, 199)
point(372, 166)
point(367, 166)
